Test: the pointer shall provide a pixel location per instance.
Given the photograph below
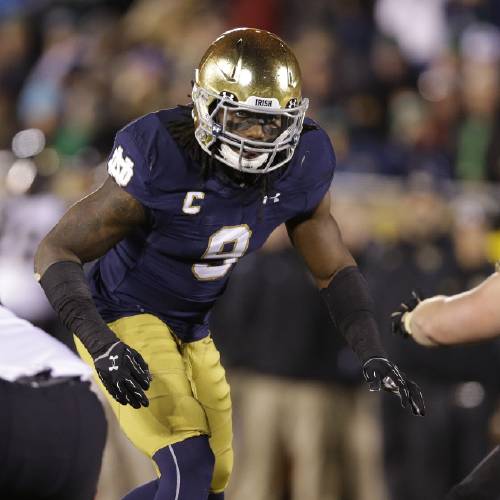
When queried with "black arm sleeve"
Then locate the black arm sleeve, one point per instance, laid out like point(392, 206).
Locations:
point(68, 292)
point(351, 308)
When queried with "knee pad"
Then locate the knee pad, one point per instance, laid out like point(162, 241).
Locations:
point(186, 469)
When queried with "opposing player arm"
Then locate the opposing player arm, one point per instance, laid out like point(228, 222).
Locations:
point(467, 317)
point(90, 227)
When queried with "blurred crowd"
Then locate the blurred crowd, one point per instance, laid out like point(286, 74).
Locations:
point(409, 93)
point(401, 86)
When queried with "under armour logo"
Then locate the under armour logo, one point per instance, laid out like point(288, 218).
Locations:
point(275, 198)
point(113, 359)
point(229, 95)
point(216, 129)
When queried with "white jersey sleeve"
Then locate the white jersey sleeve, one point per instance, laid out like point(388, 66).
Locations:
point(26, 350)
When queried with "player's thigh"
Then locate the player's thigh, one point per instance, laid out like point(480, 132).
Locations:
point(211, 389)
point(173, 413)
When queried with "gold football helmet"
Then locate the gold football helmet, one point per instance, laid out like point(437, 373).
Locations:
point(248, 76)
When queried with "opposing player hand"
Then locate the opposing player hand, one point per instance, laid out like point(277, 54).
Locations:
point(398, 317)
point(380, 373)
point(124, 374)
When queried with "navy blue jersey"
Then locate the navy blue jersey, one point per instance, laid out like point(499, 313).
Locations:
point(177, 266)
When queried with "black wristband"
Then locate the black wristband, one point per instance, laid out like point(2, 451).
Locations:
point(351, 308)
point(68, 292)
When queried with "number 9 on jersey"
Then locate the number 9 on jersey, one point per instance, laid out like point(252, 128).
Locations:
point(226, 245)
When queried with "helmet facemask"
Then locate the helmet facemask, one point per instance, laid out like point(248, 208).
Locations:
point(221, 119)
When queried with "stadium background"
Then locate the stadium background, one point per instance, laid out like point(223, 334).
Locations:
point(409, 93)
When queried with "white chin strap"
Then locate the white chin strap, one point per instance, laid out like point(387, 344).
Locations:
point(233, 158)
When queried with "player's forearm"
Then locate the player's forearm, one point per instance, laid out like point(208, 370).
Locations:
point(68, 292)
point(351, 308)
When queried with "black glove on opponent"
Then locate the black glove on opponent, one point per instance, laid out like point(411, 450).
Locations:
point(398, 317)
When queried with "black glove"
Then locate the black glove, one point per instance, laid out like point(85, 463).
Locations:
point(380, 373)
point(124, 374)
point(397, 320)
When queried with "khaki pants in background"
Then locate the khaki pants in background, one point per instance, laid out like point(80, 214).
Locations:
point(315, 440)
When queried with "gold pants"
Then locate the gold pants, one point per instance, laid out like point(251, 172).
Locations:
point(189, 395)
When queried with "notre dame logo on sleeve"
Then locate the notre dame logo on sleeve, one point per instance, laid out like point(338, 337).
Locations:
point(120, 167)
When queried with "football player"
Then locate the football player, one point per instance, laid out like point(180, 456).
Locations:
point(52, 426)
point(190, 191)
point(466, 317)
